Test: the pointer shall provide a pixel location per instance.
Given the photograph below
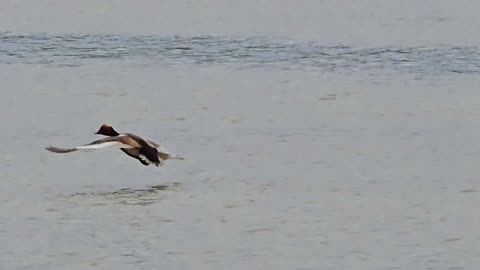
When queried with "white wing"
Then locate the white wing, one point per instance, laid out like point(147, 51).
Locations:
point(113, 144)
point(100, 144)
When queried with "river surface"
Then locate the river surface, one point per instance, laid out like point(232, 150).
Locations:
point(317, 134)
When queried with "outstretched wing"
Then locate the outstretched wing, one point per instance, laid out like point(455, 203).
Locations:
point(110, 142)
point(60, 150)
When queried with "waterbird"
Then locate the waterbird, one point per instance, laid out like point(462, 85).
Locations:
point(145, 151)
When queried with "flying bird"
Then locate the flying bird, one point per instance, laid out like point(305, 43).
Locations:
point(145, 151)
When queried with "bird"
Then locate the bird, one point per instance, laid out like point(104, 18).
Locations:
point(145, 151)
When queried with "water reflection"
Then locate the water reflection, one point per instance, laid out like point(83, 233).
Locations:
point(126, 196)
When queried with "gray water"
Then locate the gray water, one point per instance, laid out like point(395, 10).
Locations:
point(77, 50)
point(317, 135)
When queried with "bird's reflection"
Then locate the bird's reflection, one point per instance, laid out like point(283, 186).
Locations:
point(127, 196)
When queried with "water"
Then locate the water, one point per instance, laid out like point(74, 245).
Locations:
point(307, 146)
point(77, 50)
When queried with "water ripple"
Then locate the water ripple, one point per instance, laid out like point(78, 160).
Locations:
point(78, 50)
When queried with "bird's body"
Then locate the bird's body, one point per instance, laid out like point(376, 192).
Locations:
point(147, 152)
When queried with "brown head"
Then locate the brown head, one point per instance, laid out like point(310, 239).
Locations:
point(107, 130)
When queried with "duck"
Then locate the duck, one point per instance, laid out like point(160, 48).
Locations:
point(145, 151)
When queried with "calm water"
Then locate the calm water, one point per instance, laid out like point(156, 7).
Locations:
point(307, 146)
